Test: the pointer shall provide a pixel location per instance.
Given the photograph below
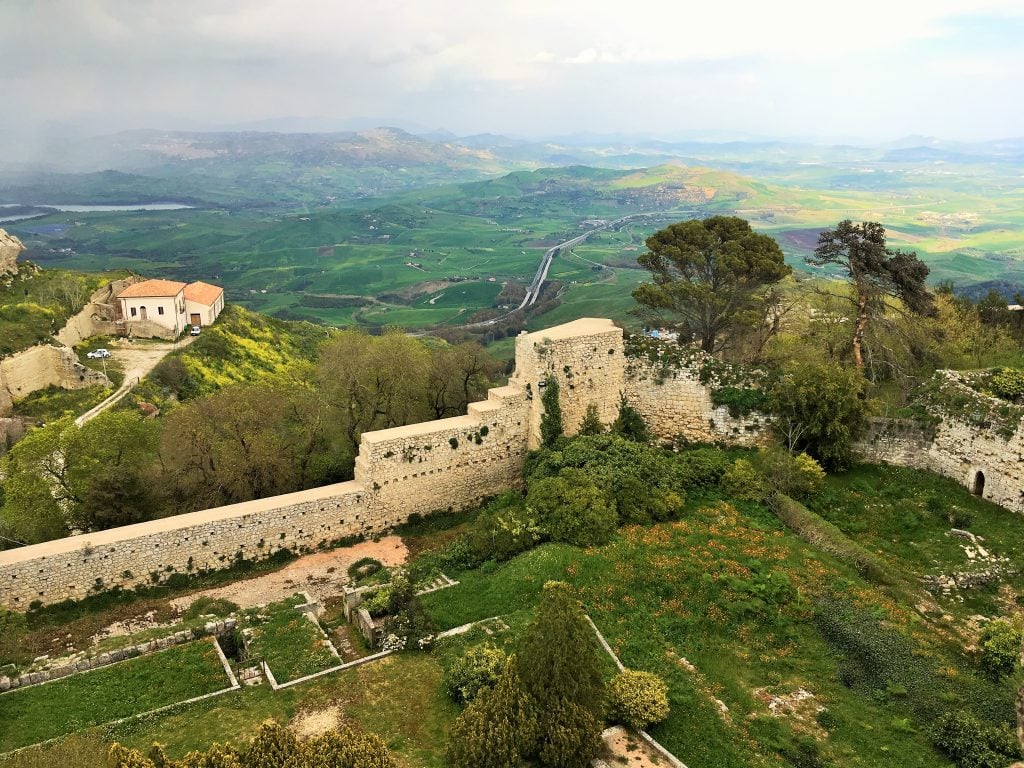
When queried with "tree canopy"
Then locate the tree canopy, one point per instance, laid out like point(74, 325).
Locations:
point(710, 276)
point(874, 271)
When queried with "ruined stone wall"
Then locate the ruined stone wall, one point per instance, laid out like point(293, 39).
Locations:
point(39, 367)
point(150, 552)
point(955, 449)
point(416, 469)
point(455, 463)
point(676, 405)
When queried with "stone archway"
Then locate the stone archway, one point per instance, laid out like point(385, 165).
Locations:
point(978, 485)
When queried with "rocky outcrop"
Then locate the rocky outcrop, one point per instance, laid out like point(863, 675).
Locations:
point(10, 248)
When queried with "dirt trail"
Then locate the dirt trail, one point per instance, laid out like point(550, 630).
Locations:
point(138, 360)
point(322, 574)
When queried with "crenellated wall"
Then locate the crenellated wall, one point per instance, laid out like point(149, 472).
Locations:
point(416, 469)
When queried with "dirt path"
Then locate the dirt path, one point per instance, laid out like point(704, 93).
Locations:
point(322, 574)
point(138, 360)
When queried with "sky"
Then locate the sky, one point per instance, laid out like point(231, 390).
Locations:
point(873, 70)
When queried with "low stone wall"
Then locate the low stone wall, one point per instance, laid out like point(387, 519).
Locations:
point(988, 464)
point(85, 663)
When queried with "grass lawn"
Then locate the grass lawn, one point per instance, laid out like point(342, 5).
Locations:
point(290, 644)
point(398, 697)
point(128, 688)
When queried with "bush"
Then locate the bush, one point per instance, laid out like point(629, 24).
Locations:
point(644, 481)
point(702, 467)
point(551, 420)
point(570, 508)
point(740, 401)
point(506, 527)
point(971, 744)
point(744, 483)
point(630, 424)
point(591, 424)
point(1000, 643)
point(363, 568)
point(477, 669)
point(638, 699)
point(1008, 383)
point(203, 606)
point(820, 409)
point(798, 476)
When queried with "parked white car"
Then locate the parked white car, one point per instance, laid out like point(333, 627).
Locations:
point(196, 330)
point(96, 354)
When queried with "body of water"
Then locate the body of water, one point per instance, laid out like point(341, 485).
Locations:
point(41, 209)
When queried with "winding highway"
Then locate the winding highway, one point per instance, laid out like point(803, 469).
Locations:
point(541, 275)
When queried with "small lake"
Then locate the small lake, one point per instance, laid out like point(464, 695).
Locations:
point(41, 209)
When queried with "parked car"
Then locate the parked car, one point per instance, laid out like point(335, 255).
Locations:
point(96, 354)
point(196, 330)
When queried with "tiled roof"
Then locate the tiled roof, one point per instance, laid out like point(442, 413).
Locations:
point(152, 289)
point(203, 293)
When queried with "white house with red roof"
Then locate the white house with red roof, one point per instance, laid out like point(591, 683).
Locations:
point(170, 306)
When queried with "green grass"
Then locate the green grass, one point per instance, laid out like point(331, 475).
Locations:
point(290, 644)
point(36, 305)
point(128, 688)
point(398, 697)
point(735, 593)
point(54, 403)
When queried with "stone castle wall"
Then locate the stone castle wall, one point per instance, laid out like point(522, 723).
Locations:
point(678, 407)
point(963, 452)
point(454, 463)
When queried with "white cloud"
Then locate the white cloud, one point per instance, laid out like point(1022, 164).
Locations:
point(440, 61)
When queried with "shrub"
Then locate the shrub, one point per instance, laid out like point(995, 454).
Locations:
point(1000, 644)
point(630, 424)
point(363, 568)
point(570, 508)
point(203, 606)
point(644, 481)
point(591, 424)
point(798, 476)
point(477, 669)
point(744, 483)
point(702, 467)
point(551, 420)
point(740, 401)
point(638, 698)
point(971, 744)
point(1008, 383)
point(820, 409)
point(506, 527)
point(379, 602)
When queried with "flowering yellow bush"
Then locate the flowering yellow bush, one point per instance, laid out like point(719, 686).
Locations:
point(638, 699)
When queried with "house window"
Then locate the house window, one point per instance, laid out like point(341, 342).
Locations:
point(159, 310)
point(134, 312)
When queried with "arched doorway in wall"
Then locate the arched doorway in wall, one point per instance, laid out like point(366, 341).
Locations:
point(978, 486)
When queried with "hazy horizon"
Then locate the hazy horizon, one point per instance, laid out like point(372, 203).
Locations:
point(531, 70)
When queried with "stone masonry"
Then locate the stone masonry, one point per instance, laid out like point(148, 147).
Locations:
point(416, 469)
